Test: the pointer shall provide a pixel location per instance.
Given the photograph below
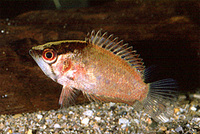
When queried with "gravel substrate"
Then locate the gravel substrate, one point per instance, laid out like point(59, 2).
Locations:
point(105, 118)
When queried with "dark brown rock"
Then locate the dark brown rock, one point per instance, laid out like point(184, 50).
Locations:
point(163, 34)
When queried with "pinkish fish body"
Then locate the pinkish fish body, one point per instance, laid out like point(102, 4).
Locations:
point(104, 69)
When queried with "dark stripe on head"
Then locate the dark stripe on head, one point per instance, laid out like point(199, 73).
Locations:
point(66, 47)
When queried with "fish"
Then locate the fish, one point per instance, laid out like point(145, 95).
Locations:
point(104, 69)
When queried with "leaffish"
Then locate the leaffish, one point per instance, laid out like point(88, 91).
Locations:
point(105, 70)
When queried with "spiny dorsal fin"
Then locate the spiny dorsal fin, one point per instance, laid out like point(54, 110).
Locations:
point(118, 48)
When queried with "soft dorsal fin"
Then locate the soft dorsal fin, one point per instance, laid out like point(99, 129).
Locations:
point(118, 48)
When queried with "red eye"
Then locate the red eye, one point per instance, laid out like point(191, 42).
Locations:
point(49, 55)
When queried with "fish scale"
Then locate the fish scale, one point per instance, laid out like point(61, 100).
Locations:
point(104, 69)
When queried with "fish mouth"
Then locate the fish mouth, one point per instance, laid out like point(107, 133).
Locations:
point(34, 55)
point(45, 67)
point(31, 53)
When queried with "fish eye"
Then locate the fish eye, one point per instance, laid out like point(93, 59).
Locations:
point(49, 55)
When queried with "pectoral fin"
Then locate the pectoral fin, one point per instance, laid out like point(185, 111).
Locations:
point(68, 96)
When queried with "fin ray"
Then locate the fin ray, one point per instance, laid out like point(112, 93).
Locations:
point(68, 95)
point(158, 100)
point(115, 45)
point(107, 40)
point(124, 51)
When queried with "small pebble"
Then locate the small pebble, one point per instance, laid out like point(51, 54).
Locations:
point(182, 117)
point(57, 126)
point(88, 113)
point(29, 131)
point(112, 104)
point(85, 121)
point(39, 116)
point(181, 110)
point(97, 118)
point(123, 126)
point(187, 125)
point(196, 119)
point(136, 121)
point(59, 116)
point(123, 121)
point(70, 112)
point(163, 128)
point(17, 116)
point(193, 108)
point(176, 110)
point(64, 117)
point(179, 129)
point(2, 125)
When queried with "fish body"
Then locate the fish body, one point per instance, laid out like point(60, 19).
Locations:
point(104, 69)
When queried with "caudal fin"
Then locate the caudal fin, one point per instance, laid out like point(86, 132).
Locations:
point(161, 95)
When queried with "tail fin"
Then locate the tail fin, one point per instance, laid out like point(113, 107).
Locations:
point(161, 94)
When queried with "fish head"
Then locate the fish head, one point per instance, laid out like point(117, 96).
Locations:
point(57, 59)
point(44, 56)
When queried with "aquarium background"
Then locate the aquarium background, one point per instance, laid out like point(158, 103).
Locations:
point(165, 34)
point(11, 8)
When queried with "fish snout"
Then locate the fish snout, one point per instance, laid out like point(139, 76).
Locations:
point(31, 52)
